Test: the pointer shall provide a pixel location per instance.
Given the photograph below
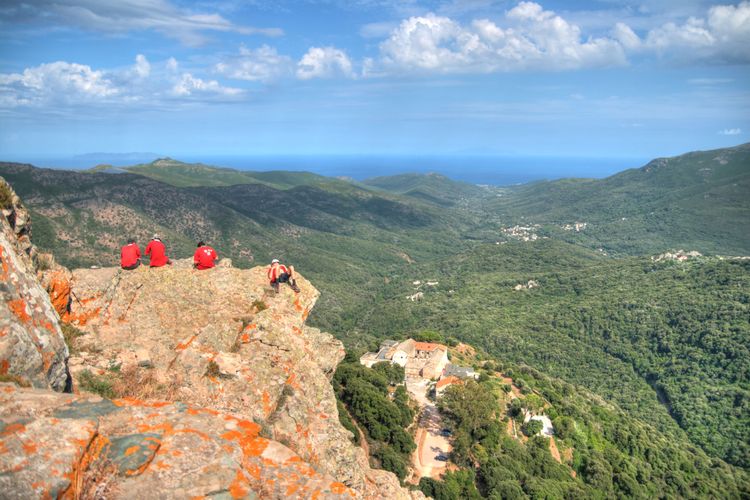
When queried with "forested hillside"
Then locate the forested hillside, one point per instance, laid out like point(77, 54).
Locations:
point(698, 200)
point(635, 330)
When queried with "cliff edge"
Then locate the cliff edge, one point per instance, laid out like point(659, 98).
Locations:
point(221, 339)
point(213, 385)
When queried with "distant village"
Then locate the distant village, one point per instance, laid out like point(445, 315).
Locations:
point(425, 360)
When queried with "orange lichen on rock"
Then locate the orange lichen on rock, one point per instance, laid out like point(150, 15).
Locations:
point(240, 487)
point(267, 408)
point(138, 402)
point(184, 345)
point(59, 289)
point(18, 307)
point(340, 488)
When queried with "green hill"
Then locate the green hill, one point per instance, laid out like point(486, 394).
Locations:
point(432, 187)
point(180, 174)
point(699, 201)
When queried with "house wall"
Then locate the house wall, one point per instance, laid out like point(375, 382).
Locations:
point(400, 358)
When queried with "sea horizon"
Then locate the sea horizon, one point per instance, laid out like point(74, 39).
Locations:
point(498, 170)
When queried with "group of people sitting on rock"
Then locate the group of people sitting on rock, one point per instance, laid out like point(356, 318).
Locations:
point(204, 257)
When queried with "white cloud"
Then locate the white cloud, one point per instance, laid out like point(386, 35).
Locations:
point(189, 85)
point(123, 16)
point(730, 131)
point(64, 85)
point(142, 67)
point(324, 62)
point(172, 64)
point(533, 39)
point(263, 64)
point(58, 82)
point(707, 82)
point(723, 36)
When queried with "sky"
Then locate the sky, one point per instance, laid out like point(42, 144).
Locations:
point(583, 78)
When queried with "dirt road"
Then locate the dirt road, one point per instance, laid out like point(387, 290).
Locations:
point(430, 443)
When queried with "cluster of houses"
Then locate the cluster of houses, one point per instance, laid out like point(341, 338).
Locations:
point(523, 233)
point(427, 360)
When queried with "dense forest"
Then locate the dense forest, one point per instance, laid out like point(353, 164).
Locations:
point(378, 402)
point(666, 340)
point(603, 451)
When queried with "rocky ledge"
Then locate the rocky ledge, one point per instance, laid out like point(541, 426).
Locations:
point(223, 340)
point(61, 445)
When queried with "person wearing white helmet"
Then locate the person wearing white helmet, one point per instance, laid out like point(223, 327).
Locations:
point(279, 273)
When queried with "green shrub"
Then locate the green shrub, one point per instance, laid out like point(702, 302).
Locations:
point(70, 333)
point(98, 384)
point(6, 196)
point(259, 305)
point(532, 427)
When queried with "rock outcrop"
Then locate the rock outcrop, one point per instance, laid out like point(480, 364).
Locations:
point(222, 339)
point(61, 445)
point(32, 347)
point(216, 386)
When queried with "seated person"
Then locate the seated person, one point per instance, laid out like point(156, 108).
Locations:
point(158, 252)
point(204, 256)
point(130, 256)
point(279, 273)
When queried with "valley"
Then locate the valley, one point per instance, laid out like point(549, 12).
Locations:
point(622, 301)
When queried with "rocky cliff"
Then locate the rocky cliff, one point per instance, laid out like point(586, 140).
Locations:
point(214, 386)
point(222, 339)
point(32, 348)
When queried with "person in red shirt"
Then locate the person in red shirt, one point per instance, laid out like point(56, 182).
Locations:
point(279, 273)
point(130, 255)
point(158, 252)
point(204, 256)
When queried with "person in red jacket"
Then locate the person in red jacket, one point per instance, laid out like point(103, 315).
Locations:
point(204, 256)
point(279, 273)
point(158, 252)
point(130, 255)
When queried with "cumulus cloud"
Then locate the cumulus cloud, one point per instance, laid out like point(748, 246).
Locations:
point(529, 37)
point(57, 82)
point(324, 62)
point(535, 39)
point(263, 64)
point(189, 85)
point(730, 131)
point(142, 67)
point(723, 36)
point(122, 16)
point(61, 85)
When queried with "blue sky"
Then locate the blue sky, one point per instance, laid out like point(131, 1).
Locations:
point(597, 78)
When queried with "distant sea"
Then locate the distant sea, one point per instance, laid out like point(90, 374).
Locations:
point(495, 170)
